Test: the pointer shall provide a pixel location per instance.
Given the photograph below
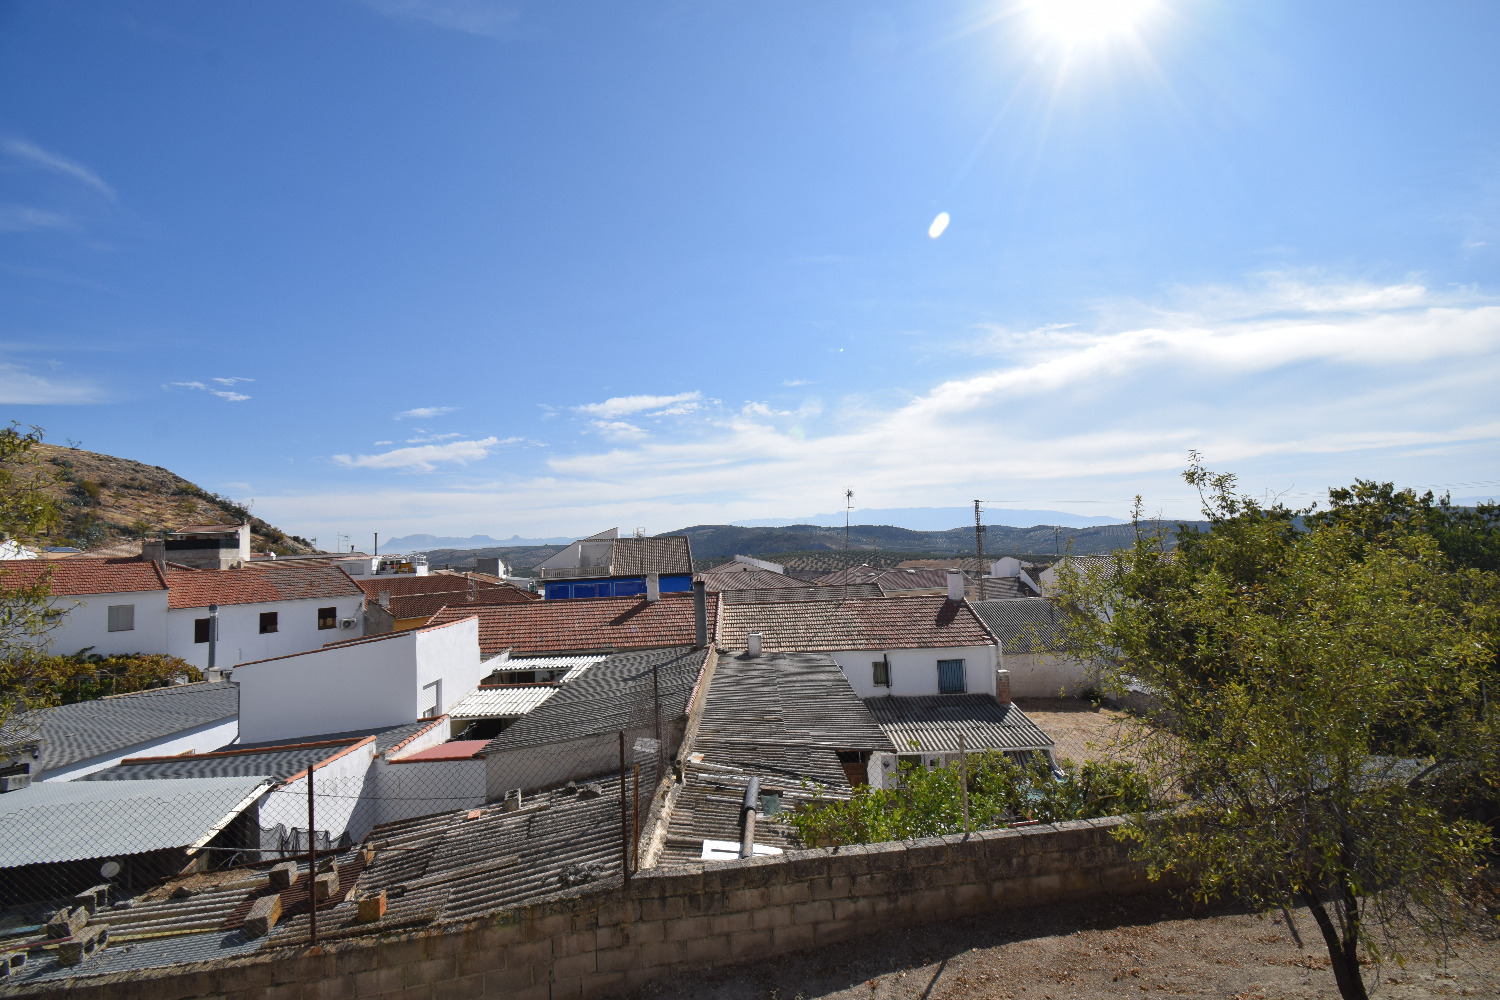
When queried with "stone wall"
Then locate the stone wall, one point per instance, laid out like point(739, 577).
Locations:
point(599, 943)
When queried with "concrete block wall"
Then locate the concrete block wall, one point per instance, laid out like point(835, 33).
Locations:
point(598, 943)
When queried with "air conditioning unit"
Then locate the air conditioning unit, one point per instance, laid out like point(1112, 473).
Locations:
point(346, 623)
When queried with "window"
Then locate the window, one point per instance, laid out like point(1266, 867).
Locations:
point(882, 672)
point(201, 629)
point(267, 622)
point(951, 677)
point(328, 618)
point(431, 699)
point(122, 617)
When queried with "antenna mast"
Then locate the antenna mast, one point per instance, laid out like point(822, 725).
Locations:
point(979, 545)
point(848, 564)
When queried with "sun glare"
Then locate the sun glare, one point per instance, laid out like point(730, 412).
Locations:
point(1074, 22)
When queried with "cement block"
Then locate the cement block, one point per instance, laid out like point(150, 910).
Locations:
point(283, 876)
point(371, 907)
point(11, 963)
point(263, 916)
point(325, 887)
point(67, 921)
point(92, 899)
point(83, 945)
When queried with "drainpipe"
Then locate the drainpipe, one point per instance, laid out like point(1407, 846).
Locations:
point(213, 633)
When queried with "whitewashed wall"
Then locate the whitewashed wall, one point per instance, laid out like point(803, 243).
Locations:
point(1047, 675)
point(551, 764)
point(240, 638)
point(914, 671)
point(338, 790)
point(87, 624)
point(359, 686)
point(424, 787)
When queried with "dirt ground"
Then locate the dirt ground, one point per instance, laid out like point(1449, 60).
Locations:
point(1136, 947)
point(1083, 731)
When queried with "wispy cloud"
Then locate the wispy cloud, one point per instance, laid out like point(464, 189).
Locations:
point(792, 383)
point(426, 458)
point(19, 386)
point(39, 158)
point(423, 438)
point(474, 17)
point(22, 218)
point(425, 412)
point(226, 394)
point(1309, 387)
point(651, 406)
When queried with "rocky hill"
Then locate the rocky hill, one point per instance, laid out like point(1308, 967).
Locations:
point(107, 500)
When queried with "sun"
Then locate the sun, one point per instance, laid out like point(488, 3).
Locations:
point(1076, 22)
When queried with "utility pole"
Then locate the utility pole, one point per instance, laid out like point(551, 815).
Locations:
point(979, 545)
point(848, 565)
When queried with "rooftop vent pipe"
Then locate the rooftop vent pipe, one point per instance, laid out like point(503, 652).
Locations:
point(747, 816)
point(700, 613)
point(955, 586)
point(752, 643)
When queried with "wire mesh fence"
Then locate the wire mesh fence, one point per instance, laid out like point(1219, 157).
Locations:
point(205, 854)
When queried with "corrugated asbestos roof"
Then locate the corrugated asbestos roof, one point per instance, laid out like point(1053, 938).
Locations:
point(708, 808)
point(912, 622)
point(88, 729)
point(786, 713)
point(496, 701)
point(596, 624)
point(802, 592)
point(55, 821)
point(279, 762)
point(387, 738)
point(571, 665)
point(82, 575)
point(934, 722)
point(1023, 625)
point(261, 583)
point(611, 695)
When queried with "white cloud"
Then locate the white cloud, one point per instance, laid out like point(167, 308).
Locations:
point(792, 383)
point(23, 218)
point(426, 458)
point(473, 17)
point(381, 444)
point(424, 438)
point(622, 406)
point(225, 394)
point(36, 156)
point(20, 387)
point(425, 412)
point(1303, 387)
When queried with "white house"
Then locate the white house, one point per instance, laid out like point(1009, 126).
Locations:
point(113, 605)
point(381, 681)
point(264, 610)
point(900, 646)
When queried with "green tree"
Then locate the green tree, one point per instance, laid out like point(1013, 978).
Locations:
point(1323, 686)
point(28, 612)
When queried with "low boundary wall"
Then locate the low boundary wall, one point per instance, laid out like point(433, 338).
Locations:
point(604, 941)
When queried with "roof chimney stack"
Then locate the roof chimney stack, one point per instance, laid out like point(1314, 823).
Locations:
point(955, 586)
point(752, 643)
point(700, 612)
point(653, 587)
point(1002, 686)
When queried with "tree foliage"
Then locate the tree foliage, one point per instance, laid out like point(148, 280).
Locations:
point(1325, 682)
point(85, 675)
point(28, 612)
point(929, 803)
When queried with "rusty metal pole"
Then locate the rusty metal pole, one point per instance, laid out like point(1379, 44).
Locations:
point(656, 709)
point(635, 840)
point(312, 863)
point(624, 817)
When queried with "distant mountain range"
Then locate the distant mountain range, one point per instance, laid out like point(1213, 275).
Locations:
point(934, 518)
point(426, 543)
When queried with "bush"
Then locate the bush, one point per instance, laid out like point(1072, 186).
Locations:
point(85, 676)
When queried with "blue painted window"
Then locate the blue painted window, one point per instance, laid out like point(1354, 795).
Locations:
point(676, 584)
point(588, 590)
point(951, 677)
point(558, 591)
point(629, 588)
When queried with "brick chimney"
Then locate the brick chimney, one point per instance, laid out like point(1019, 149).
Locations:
point(1002, 686)
point(700, 613)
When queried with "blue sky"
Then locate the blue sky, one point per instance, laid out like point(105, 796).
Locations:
point(453, 266)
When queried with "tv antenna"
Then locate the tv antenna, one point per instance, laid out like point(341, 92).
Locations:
point(848, 564)
point(979, 545)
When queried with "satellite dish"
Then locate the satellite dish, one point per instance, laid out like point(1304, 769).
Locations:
point(109, 869)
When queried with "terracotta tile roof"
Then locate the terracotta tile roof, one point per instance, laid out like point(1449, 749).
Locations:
point(452, 750)
point(262, 583)
point(84, 576)
point(921, 621)
point(438, 583)
point(662, 554)
point(890, 580)
point(738, 576)
point(587, 625)
point(801, 592)
point(426, 605)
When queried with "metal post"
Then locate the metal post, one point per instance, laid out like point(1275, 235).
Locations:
point(656, 711)
point(963, 764)
point(312, 863)
point(624, 817)
point(979, 545)
point(635, 841)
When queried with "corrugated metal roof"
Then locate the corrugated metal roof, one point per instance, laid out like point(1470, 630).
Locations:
point(280, 762)
point(88, 729)
point(493, 702)
point(71, 820)
point(1023, 624)
point(934, 722)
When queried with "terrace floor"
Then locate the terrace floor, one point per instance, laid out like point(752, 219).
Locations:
point(1083, 730)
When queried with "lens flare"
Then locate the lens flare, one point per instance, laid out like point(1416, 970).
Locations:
point(938, 225)
point(1076, 21)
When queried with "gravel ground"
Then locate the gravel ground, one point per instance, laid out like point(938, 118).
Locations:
point(1083, 731)
point(1133, 948)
